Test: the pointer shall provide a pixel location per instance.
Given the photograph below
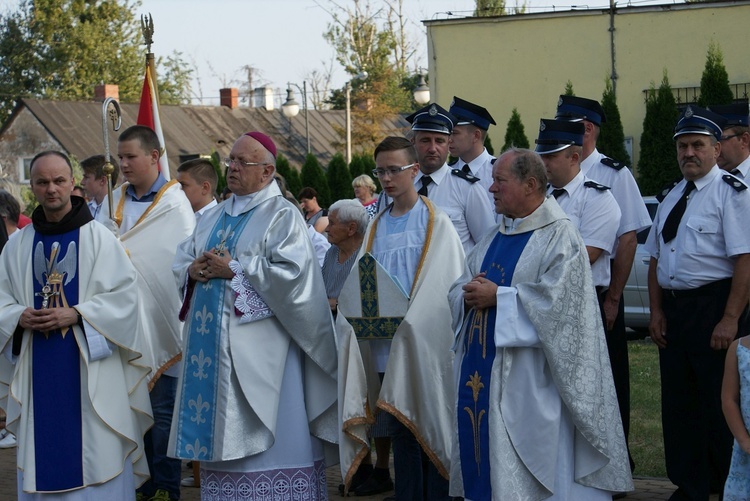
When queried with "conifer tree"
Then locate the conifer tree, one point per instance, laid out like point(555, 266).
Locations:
point(515, 135)
point(339, 179)
point(658, 159)
point(219, 169)
point(294, 181)
point(488, 145)
point(715, 80)
point(611, 140)
point(282, 167)
point(314, 177)
point(356, 167)
point(368, 163)
point(569, 89)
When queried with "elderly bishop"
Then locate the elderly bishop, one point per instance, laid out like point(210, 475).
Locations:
point(256, 401)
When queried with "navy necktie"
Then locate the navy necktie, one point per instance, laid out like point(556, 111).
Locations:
point(466, 169)
point(557, 192)
point(426, 180)
point(675, 215)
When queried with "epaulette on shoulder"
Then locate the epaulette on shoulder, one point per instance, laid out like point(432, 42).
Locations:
point(464, 175)
point(734, 182)
point(613, 163)
point(594, 184)
point(664, 191)
point(453, 162)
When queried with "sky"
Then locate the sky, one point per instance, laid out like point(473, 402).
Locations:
point(281, 39)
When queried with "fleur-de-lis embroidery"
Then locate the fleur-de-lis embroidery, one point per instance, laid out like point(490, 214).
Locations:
point(476, 385)
point(199, 405)
point(202, 361)
point(204, 316)
point(196, 449)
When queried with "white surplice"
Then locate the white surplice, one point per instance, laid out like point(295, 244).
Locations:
point(555, 428)
point(116, 409)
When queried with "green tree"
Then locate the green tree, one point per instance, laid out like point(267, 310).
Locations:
point(715, 80)
point(61, 49)
point(515, 134)
point(569, 89)
point(487, 8)
point(313, 176)
point(219, 168)
point(611, 140)
point(658, 160)
point(174, 76)
point(339, 179)
point(375, 42)
point(368, 165)
point(357, 166)
point(282, 167)
point(488, 145)
point(294, 181)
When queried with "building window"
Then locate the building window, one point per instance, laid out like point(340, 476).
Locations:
point(24, 164)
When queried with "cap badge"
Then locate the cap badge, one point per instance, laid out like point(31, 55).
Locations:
point(453, 103)
point(688, 112)
point(433, 111)
point(542, 126)
point(560, 101)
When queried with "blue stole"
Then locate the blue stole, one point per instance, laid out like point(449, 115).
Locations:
point(476, 370)
point(200, 370)
point(56, 369)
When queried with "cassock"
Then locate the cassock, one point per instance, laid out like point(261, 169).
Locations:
point(151, 244)
point(420, 354)
point(256, 401)
point(536, 410)
point(76, 400)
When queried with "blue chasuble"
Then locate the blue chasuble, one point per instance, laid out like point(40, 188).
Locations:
point(56, 368)
point(476, 370)
point(200, 371)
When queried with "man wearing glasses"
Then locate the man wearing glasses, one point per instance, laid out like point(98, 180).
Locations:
point(458, 193)
point(414, 242)
point(256, 401)
point(735, 140)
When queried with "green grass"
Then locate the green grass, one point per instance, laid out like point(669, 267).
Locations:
point(646, 442)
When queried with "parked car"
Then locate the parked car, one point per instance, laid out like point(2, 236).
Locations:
point(635, 294)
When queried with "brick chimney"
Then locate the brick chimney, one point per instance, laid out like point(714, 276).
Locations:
point(229, 97)
point(103, 91)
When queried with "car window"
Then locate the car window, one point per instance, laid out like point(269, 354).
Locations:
point(651, 206)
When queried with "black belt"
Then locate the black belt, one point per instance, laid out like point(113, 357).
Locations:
point(703, 290)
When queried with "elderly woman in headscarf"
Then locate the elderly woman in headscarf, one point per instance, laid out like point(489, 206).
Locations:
point(364, 190)
point(347, 222)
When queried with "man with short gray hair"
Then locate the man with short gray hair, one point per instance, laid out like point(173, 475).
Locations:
point(534, 419)
point(698, 280)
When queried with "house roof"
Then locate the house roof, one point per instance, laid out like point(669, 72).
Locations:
point(191, 130)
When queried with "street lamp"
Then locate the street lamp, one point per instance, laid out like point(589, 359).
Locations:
point(360, 76)
point(422, 92)
point(290, 108)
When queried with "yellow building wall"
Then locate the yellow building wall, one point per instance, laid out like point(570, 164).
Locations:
point(524, 61)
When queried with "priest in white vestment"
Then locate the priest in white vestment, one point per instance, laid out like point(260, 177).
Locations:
point(256, 401)
point(71, 375)
point(536, 411)
point(414, 242)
